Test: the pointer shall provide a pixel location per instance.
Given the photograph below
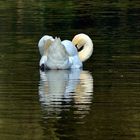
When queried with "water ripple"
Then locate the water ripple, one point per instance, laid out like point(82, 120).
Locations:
point(61, 90)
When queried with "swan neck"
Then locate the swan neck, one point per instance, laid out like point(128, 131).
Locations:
point(87, 51)
point(85, 41)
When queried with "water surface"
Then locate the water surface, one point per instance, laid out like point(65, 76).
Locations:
point(100, 102)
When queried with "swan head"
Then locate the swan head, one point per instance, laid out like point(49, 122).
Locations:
point(84, 44)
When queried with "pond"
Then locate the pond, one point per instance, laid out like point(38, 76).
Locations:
point(99, 102)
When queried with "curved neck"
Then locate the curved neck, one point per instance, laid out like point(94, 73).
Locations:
point(83, 40)
point(87, 51)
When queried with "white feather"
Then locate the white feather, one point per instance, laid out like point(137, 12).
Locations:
point(42, 42)
point(57, 56)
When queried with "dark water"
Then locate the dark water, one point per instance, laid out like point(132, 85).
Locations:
point(100, 102)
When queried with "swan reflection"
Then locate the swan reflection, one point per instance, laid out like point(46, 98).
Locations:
point(59, 90)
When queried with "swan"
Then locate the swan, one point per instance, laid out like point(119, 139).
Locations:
point(57, 54)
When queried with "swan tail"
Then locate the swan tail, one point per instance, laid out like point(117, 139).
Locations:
point(57, 56)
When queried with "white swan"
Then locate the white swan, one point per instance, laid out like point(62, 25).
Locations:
point(57, 54)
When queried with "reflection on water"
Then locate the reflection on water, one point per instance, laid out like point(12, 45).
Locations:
point(65, 97)
point(61, 90)
point(63, 106)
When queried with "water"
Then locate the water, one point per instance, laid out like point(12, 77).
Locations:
point(100, 102)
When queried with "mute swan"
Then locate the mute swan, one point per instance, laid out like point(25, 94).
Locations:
point(57, 54)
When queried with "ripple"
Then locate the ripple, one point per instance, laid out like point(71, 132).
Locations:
point(61, 90)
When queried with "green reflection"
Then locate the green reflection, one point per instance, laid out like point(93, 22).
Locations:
point(114, 28)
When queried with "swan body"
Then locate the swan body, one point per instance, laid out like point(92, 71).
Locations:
point(57, 54)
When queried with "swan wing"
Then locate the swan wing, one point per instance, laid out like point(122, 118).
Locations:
point(44, 42)
point(73, 54)
point(70, 48)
